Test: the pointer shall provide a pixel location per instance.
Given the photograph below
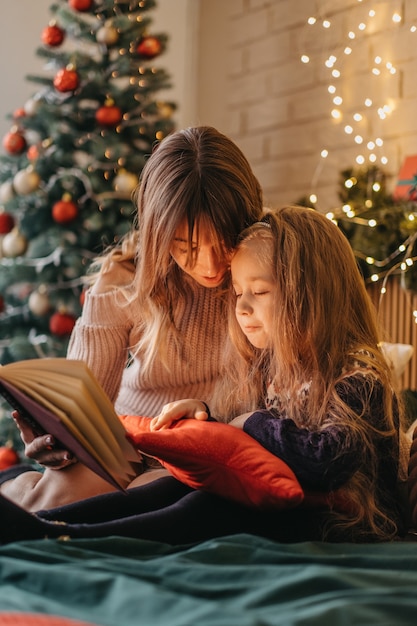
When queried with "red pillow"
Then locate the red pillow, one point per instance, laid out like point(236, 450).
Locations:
point(220, 459)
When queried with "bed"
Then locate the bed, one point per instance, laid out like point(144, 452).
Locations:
point(240, 580)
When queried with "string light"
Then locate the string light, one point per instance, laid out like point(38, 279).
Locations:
point(379, 68)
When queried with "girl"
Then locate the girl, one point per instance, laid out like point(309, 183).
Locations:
point(304, 337)
point(305, 340)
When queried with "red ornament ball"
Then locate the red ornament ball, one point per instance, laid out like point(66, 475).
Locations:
point(6, 223)
point(19, 113)
point(61, 324)
point(109, 115)
point(64, 211)
point(14, 142)
point(32, 153)
point(149, 47)
point(8, 457)
point(66, 80)
point(81, 5)
point(53, 36)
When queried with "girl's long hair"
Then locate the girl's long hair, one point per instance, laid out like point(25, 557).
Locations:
point(326, 328)
point(196, 177)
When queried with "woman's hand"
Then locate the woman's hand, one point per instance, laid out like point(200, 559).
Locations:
point(42, 448)
point(174, 411)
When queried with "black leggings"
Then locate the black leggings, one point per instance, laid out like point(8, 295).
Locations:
point(164, 510)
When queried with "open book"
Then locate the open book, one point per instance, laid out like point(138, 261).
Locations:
point(62, 397)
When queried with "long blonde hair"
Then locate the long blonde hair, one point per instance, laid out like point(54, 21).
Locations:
point(326, 329)
point(198, 177)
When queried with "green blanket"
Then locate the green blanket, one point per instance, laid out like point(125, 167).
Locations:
point(231, 581)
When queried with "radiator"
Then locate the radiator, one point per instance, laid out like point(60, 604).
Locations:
point(395, 313)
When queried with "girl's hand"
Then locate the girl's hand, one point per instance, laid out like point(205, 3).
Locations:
point(42, 448)
point(174, 411)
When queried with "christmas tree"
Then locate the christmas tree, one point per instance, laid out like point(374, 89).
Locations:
point(70, 161)
point(381, 229)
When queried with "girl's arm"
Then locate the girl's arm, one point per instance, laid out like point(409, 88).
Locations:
point(325, 459)
point(321, 460)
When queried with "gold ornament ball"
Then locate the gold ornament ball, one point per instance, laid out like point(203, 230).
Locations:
point(39, 303)
point(125, 181)
point(107, 35)
point(6, 191)
point(14, 244)
point(26, 181)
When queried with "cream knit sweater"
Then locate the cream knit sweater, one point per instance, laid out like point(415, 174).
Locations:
point(107, 328)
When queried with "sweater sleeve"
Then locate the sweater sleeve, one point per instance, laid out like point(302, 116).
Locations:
point(101, 337)
point(324, 459)
point(318, 459)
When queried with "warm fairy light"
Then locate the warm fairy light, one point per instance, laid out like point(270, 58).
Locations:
point(324, 153)
point(369, 204)
point(375, 278)
point(370, 260)
point(371, 112)
point(376, 187)
point(330, 61)
point(372, 223)
point(413, 28)
point(313, 198)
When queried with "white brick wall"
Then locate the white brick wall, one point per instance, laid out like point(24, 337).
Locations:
point(278, 109)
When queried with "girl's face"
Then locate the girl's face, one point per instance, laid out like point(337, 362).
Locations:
point(255, 291)
point(207, 269)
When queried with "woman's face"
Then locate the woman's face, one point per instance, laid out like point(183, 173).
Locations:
point(255, 290)
point(207, 269)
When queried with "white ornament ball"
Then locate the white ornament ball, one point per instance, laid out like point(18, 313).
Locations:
point(26, 181)
point(125, 181)
point(107, 35)
point(14, 244)
point(31, 106)
point(82, 159)
point(39, 303)
point(6, 191)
